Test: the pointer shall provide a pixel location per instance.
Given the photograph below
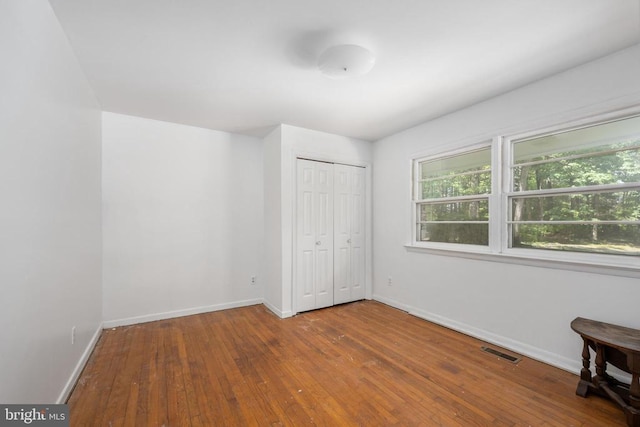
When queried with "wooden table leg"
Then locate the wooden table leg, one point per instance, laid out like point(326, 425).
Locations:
point(634, 388)
point(634, 391)
point(632, 411)
point(585, 372)
point(601, 365)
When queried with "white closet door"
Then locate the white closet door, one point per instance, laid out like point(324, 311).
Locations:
point(314, 257)
point(349, 233)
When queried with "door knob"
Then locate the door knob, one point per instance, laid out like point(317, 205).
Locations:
point(318, 243)
point(349, 241)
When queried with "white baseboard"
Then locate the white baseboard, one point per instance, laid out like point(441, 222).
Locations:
point(281, 314)
point(71, 382)
point(179, 313)
point(544, 356)
point(392, 303)
point(562, 362)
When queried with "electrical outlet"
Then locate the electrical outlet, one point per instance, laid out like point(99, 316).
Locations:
point(390, 281)
point(253, 280)
point(73, 335)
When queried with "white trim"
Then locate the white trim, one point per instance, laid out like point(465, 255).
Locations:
point(496, 214)
point(412, 230)
point(279, 313)
point(487, 144)
point(179, 313)
point(392, 303)
point(564, 191)
point(505, 206)
point(455, 222)
point(467, 145)
point(71, 382)
point(500, 206)
point(441, 200)
point(296, 154)
point(323, 157)
point(625, 265)
point(576, 222)
point(368, 221)
point(540, 258)
point(536, 353)
point(568, 364)
point(460, 151)
point(453, 175)
point(562, 362)
point(575, 156)
point(77, 371)
point(577, 122)
point(446, 248)
point(628, 104)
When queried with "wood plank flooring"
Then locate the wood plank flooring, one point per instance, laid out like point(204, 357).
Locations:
point(360, 364)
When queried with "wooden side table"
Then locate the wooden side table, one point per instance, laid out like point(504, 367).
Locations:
point(620, 347)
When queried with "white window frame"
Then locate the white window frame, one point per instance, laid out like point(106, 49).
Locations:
point(499, 239)
point(415, 190)
point(566, 256)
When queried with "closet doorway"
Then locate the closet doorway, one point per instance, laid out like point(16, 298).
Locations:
point(330, 234)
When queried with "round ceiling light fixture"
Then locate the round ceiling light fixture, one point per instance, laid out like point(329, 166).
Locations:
point(346, 60)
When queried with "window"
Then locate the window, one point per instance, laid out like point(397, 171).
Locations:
point(577, 190)
point(570, 194)
point(452, 198)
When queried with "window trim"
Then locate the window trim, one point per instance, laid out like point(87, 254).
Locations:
point(415, 190)
point(508, 193)
point(499, 240)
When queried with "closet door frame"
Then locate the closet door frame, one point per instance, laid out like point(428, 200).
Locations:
point(294, 203)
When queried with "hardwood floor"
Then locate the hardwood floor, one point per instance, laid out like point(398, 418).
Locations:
point(356, 364)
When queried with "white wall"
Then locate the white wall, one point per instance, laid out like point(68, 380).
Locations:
point(50, 236)
point(182, 219)
point(272, 266)
point(294, 142)
point(525, 308)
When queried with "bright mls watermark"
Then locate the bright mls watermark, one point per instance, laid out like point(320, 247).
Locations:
point(35, 415)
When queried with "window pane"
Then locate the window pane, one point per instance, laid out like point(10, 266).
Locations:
point(471, 234)
point(612, 135)
point(477, 210)
point(594, 156)
point(457, 185)
point(470, 161)
point(613, 168)
point(620, 239)
point(454, 176)
point(605, 206)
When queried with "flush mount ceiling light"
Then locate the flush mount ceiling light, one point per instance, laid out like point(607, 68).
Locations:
point(346, 60)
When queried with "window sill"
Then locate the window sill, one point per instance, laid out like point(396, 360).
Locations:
point(587, 263)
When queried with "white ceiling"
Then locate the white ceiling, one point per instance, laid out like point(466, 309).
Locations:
point(246, 65)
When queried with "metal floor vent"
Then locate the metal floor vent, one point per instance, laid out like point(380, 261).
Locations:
point(500, 354)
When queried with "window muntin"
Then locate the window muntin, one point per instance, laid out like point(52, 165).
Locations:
point(577, 190)
point(452, 198)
